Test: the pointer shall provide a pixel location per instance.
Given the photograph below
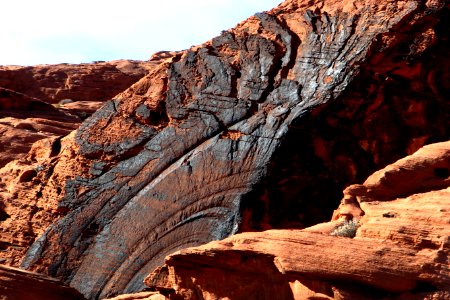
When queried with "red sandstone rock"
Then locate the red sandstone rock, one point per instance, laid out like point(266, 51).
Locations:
point(83, 109)
point(141, 296)
point(17, 284)
point(400, 251)
point(25, 120)
point(98, 81)
point(259, 128)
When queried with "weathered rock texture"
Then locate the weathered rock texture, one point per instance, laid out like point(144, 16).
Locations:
point(31, 132)
point(400, 251)
point(17, 284)
point(79, 89)
point(141, 296)
point(98, 81)
point(25, 120)
point(258, 128)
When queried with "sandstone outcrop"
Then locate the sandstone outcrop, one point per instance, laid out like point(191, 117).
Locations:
point(76, 91)
point(259, 128)
point(141, 296)
point(82, 109)
point(16, 284)
point(400, 251)
point(31, 132)
point(98, 81)
point(25, 120)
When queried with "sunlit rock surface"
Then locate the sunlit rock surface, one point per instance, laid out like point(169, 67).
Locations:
point(261, 127)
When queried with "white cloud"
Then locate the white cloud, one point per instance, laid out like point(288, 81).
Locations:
point(50, 31)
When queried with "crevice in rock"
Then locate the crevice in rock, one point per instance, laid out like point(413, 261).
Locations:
point(4, 246)
point(294, 46)
point(56, 147)
point(443, 173)
point(424, 287)
point(27, 175)
point(3, 215)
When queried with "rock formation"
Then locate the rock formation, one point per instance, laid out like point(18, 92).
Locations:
point(141, 296)
point(258, 128)
point(78, 90)
point(25, 120)
point(17, 284)
point(33, 126)
point(98, 81)
point(400, 250)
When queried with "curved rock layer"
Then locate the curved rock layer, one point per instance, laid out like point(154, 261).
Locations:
point(400, 251)
point(98, 81)
point(175, 161)
point(31, 126)
point(75, 90)
point(396, 104)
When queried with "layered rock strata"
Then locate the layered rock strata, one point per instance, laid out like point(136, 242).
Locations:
point(257, 128)
point(25, 120)
point(400, 248)
point(78, 90)
point(17, 284)
point(31, 130)
point(98, 81)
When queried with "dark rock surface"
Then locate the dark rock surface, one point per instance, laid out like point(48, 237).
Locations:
point(258, 128)
point(399, 247)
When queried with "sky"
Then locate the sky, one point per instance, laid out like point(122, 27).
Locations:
point(55, 31)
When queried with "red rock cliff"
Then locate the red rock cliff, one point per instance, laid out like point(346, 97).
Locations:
point(259, 128)
point(99, 81)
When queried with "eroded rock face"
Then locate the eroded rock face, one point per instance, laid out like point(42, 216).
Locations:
point(31, 132)
point(400, 251)
point(75, 90)
point(99, 81)
point(25, 120)
point(179, 158)
point(396, 104)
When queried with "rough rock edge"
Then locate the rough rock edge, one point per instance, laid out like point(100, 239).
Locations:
point(97, 81)
point(82, 186)
point(19, 284)
point(263, 128)
point(401, 249)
